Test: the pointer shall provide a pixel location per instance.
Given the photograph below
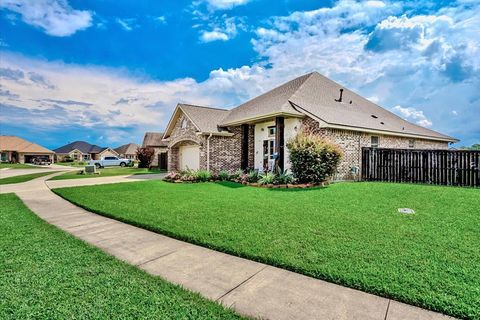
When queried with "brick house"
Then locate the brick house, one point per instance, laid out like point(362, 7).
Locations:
point(17, 150)
point(155, 141)
point(83, 151)
point(255, 133)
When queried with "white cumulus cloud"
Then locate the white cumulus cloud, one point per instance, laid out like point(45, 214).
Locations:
point(224, 4)
point(54, 17)
point(412, 114)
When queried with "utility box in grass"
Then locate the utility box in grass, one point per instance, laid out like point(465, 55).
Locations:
point(90, 169)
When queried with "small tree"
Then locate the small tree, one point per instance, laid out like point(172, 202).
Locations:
point(145, 157)
point(312, 158)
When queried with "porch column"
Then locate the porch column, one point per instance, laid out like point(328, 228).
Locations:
point(244, 164)
point(280, 142)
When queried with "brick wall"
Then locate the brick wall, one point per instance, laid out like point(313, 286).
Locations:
point(225, 152)
point(352, 142)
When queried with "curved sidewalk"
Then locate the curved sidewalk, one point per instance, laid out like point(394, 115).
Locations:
point(251, 288)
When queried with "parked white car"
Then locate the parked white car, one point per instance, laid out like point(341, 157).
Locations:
point(110, 162)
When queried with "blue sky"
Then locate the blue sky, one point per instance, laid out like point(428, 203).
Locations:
point(107, 71)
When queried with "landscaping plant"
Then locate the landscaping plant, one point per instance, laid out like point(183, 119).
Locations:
point(312, 158)
point(145, 157)
point(283, 178)
point(203, 175)
point(253, 176)
point(266, 178)
point(223, 176)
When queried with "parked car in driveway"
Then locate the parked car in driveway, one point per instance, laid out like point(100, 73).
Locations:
point(111, 162)
point(41, 161)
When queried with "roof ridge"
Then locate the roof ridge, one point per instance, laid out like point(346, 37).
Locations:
point(309, 75)
point(204, 107)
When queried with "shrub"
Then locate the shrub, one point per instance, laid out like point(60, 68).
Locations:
point(242, 178)
point(283, 178)
point(266, 178)
point(223, 176)
point(203, 175)
point(145, 157)
point(312, 158)
point(235, 176)
point(172, 176)
point(188, 175)
point(253, 176)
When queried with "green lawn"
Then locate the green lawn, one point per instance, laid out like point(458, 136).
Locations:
point(348, 233)
point(48, 274)
point(106, 172)
point(24, 177)
point(16, 166)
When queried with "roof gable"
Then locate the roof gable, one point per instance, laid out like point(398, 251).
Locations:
point(205, 119)
point(271, 102)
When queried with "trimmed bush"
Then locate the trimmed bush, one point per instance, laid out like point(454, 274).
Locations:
point(312, 158)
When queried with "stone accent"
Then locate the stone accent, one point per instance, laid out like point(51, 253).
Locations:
point(352, 142)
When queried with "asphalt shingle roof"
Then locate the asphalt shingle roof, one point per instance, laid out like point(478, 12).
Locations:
point(154, 139)
point(314, 95)
point(14, 143)
point(206, 119)
point(82, 146)
point(129, 148)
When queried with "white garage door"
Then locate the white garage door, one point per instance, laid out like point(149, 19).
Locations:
point(189, 157)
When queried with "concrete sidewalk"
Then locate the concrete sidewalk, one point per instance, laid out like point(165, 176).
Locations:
point(102, 180)
point(251, 288)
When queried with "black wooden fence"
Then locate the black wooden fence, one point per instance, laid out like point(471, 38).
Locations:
point(446, 167)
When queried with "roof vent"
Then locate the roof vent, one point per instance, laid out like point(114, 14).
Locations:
point(374, 116)
point(351, 101)
point(382, 122)
point(341, 94)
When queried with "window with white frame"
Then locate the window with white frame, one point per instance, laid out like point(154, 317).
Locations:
point(272, 131)
point(374, 142)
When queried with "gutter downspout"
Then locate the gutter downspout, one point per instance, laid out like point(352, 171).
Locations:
point(208, 151)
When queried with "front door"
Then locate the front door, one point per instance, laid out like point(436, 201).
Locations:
point(268, 154)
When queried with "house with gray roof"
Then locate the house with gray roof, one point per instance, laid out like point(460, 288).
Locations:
point(128, 151)
point(82, 151)
point(155, 141)
point(254, 134)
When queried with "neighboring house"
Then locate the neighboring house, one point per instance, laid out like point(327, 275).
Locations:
point(155, 141)
point(18, 150)
point(83, 151)
point(128, 151)
point(255, 133)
